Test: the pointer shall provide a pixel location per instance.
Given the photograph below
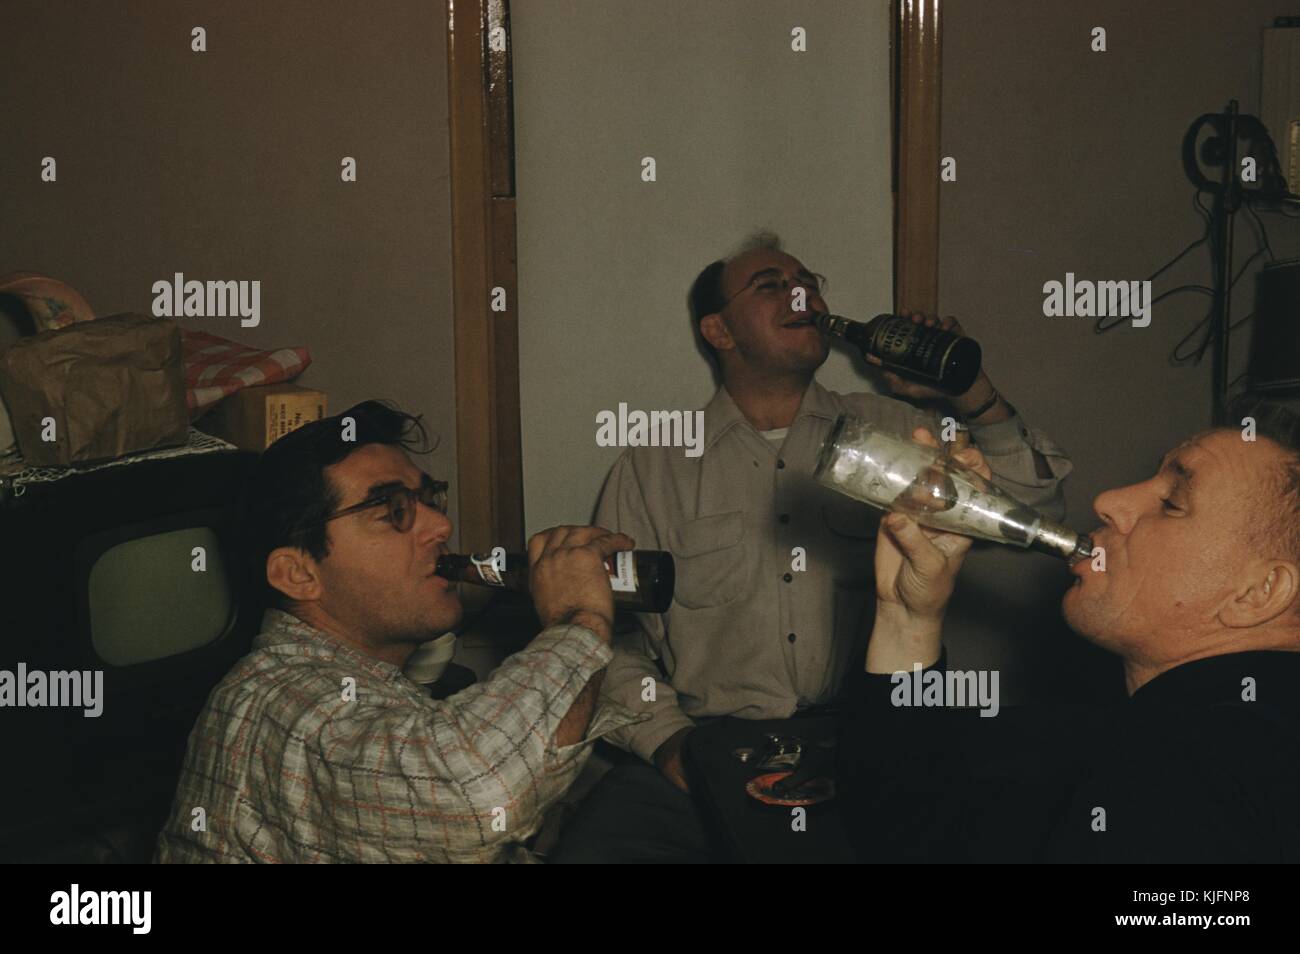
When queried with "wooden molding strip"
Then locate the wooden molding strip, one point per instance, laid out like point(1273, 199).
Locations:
point(918, 59)
point(489, 471)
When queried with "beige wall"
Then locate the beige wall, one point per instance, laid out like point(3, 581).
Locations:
point(226, 164)
point(745, 133)
point(1069, 160)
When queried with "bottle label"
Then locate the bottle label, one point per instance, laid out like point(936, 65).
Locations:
point(622, 572)
point(922, 351)
point(489, 570)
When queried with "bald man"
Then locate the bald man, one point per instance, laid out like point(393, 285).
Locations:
point(1200, 599)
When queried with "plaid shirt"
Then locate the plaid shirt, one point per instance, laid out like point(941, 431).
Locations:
point(287, 768)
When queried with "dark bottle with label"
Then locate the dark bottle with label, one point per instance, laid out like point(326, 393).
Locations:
point(932, 356)
point(642, 580)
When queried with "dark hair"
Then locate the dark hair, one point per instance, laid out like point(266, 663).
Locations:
point(1281, 425)
point(708, 298)
point(288, 494)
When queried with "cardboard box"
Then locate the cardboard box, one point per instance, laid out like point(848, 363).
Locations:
point(255, 418)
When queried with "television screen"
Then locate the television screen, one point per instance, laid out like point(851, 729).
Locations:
point(159, 596)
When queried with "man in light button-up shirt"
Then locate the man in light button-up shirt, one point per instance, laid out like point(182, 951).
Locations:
point(754, 632)
point(316, 747)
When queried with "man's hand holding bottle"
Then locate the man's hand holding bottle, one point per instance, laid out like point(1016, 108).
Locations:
point(568, 579)
point(916, 571)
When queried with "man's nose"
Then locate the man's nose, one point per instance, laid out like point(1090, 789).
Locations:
point(431, 524)
point(1119, 508)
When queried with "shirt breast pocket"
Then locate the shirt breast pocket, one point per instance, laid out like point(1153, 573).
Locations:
point(851, 527)
point(710, 559)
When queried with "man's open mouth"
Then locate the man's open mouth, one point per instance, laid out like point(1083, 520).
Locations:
point(804, 322)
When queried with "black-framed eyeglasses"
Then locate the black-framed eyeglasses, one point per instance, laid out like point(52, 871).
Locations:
point(400, 502)
point(770, 283)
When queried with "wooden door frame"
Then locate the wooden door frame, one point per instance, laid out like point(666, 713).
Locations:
point(489, 458)
point(917, 101)
point(488, 446)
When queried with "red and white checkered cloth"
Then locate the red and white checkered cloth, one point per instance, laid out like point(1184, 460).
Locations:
point(216, 368)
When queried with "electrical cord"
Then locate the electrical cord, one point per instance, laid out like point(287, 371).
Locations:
point(1250, 207)
point(1263, 246)
point(1100, 326)
point(1272, 196)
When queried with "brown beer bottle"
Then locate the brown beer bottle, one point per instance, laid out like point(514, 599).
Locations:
point(932, 356)
point(642, 580)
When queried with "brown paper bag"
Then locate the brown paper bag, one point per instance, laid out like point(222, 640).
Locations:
point(113, 386)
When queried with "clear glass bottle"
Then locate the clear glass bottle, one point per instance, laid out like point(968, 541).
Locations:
point(897, 474)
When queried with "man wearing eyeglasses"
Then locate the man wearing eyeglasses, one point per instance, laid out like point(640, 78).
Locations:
point(316, 747)
point(773, 571)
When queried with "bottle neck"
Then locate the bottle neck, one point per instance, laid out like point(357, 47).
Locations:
point(1061, 541)
point(856, 332)
point(509, 570)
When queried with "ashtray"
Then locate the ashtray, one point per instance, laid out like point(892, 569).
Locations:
point(811, 792)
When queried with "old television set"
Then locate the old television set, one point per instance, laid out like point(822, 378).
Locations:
point(132, 570)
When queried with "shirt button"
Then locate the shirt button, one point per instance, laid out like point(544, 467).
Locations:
point(784, 518)
point(788, 578)
point(780, 464)
point(791, 637)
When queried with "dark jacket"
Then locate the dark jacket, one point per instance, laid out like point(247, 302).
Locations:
point(1187, 770)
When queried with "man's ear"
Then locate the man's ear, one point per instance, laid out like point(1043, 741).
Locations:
point(1275, 591)
point(714, 331)
point(295, 574)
